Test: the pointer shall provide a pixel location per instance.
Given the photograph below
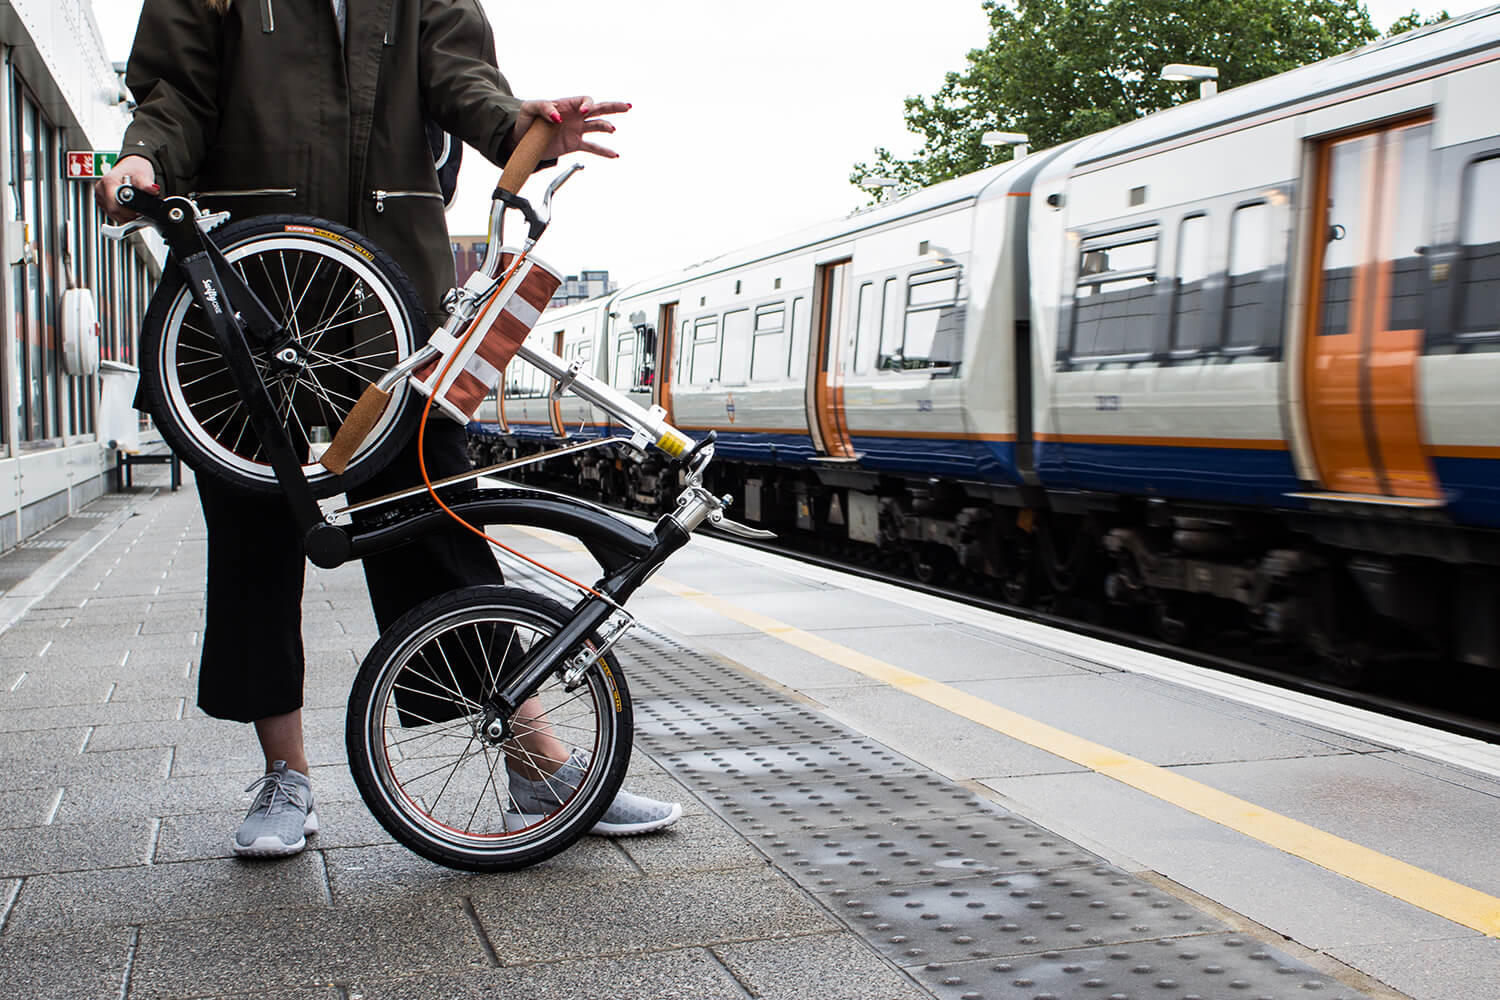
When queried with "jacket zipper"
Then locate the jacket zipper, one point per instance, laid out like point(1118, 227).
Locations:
point(390, 26)
point(381, 196)
point(248, 193)
point(267, 17)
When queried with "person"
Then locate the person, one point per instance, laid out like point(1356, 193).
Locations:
point(311, 107)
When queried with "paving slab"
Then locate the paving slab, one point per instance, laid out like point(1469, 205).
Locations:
point(1146, 718)
point(150, 893)
point(802, 967)
point(307, 948)
point(1442, 969)
point(106, 842)
point(647, 914)
point(680, 974)
point(84, 965)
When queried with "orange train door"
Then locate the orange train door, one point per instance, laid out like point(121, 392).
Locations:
point(666, 339)
point(1365, 322)
point(828, 378)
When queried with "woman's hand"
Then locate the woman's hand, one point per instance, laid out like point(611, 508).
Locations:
point(134, 170)
point(575, 117)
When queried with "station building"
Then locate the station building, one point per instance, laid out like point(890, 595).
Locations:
point(64, 401)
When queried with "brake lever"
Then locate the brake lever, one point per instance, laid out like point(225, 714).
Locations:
point(124, 229)
point(724, 524)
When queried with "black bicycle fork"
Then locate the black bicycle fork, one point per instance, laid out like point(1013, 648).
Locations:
point(237, 317)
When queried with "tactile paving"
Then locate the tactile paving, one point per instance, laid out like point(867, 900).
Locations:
point(1209, 967)
point(956, 919)
point(974, 902)
point(863, 856)
point(681, 732)
point(821, 784)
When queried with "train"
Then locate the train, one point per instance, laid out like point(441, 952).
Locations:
point(1231, 365)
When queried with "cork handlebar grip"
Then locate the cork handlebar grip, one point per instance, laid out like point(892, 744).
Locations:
point(356, 428)
point(528, 153)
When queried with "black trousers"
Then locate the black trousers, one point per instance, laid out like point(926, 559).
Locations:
point(252, 665)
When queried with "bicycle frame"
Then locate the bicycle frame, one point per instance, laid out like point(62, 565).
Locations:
point(627, 554)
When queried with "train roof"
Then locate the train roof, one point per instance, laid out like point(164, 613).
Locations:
point(1472, 33)
point(959, 190)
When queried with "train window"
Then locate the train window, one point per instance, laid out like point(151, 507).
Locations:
point(768, 351)
point(624, 373)
point(796, 364)
point(890, 330)
point(1114, 301)
point(1244, 289)
point(1406, 232)
point(734, 360)
point(1191, 330)
point(1479, 254)
point(866, 329)
point(703, 363)
point(934, 335)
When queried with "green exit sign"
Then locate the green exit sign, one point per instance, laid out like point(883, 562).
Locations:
point(88, 165)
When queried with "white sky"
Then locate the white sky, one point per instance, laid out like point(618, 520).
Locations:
point(747, 116)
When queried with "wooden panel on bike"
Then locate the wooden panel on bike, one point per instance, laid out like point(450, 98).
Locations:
point(470, 366)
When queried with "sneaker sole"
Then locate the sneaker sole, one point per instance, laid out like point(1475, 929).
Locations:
point(275, 847)
point(602, 829)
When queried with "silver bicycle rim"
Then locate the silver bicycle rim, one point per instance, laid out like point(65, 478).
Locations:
point(194, 367)
point(440, 775)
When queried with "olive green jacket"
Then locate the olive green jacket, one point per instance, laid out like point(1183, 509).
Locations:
point(263, 109)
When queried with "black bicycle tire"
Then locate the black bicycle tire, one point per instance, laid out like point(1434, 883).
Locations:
point(364, 770)
point(184, 441)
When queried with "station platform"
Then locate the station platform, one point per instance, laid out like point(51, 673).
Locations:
point(886, 796)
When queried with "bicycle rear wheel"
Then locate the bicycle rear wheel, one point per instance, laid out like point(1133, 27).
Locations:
point(351, 314)
point(419, 755)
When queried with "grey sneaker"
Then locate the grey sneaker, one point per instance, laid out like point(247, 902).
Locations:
point(281, 818)
point(627, 816)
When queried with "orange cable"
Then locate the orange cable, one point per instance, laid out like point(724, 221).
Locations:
point(422, 453)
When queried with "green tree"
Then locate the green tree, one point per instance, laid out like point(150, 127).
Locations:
point(1413, 20)
point(1060, 69)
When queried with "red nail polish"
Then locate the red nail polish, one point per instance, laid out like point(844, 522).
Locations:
point(556, 118)
point(629, 106)
point(583, 109)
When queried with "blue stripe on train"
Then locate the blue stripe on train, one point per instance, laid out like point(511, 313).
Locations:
point(1261, 477)
point(986, 461)
point(1472, 487)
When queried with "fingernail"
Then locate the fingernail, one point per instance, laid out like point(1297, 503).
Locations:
point(629, 106)
point(583, 109)
point(556, 118)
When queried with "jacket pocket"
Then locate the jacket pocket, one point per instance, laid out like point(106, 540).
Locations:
point(381, 197)
point(247, 180)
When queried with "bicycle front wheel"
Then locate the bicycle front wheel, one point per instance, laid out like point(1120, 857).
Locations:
point(351, 314)
point(420, 755)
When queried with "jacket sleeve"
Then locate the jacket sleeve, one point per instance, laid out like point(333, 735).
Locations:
point(174, 73)
point(462, 87)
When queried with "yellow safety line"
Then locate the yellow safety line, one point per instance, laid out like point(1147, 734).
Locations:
point(1444, 897)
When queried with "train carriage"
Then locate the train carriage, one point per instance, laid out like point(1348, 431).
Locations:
point(1236, 355)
